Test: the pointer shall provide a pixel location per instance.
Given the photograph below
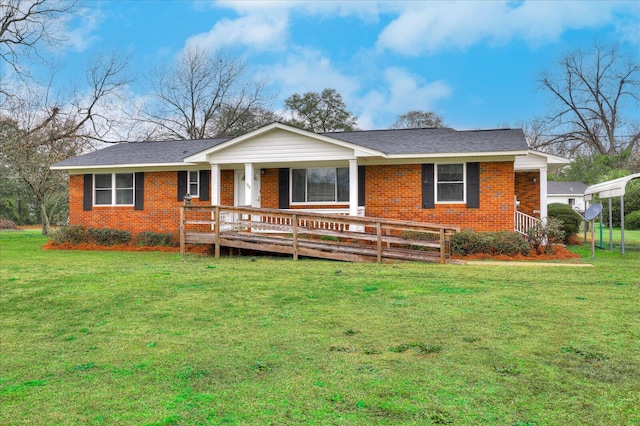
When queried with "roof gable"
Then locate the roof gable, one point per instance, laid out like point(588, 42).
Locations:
point(280, 140)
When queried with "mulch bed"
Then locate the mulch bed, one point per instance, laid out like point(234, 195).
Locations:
point(557, 253)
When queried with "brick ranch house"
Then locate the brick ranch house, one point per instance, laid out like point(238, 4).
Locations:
point(481, 179)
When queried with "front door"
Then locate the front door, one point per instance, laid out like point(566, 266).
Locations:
point(241, 188)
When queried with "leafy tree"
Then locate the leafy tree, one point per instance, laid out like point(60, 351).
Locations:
point(418, 119)
point(592, 92)
point(591, 169)
point(320, 112)
point(204, 95)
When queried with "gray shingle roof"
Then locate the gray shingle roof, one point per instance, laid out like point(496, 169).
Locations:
point(566, 188)
point(431, 141)
point(390, 142)
point(142, 153)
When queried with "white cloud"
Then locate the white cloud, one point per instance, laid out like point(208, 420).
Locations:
point(82, 30)
point(401, 92)
point(309, 71)
point(366, 10)
point(255, 31)
point(435, 26)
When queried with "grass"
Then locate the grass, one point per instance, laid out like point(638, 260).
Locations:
point(153, 339)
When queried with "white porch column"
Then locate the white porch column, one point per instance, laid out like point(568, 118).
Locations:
point(543, 194)
point(215, 184)
point(353, 187)
point(249, 196)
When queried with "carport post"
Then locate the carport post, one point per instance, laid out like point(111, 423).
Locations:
point(610, 224)
point(622, 224)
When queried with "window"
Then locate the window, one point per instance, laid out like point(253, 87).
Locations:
point(114, 189)
point(323, 185)
point(450, 183)
point(193, 185)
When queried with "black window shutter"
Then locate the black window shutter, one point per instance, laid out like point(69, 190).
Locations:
point(87, 202)
point(362, 173)
point(473, 185)
point(139, 188)
point(428, 186)
point(182, 185)
point(205, 182)
point(283, 188)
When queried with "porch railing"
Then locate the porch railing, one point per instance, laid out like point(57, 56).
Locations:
point(301, 233)
point(524, 222)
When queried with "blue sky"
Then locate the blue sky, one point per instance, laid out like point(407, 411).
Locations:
point(476, 63)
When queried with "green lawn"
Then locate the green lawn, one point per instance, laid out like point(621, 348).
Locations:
point(154, 339)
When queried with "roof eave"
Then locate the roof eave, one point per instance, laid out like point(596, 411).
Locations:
point(459, 154)
point(121, 166)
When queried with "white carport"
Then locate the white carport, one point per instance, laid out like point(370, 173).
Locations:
point(610, 189)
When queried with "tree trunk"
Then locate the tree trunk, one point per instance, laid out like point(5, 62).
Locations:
point(44, 218)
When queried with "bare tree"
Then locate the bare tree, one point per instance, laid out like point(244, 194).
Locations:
point(592, 91)
point(40, 132)
point(203, 95)
point(418, 119)
point(320, 112)
point(27, 24)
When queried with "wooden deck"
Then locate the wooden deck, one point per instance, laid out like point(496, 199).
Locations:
point(327, 236)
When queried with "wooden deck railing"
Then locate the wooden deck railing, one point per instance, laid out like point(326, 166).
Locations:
point(300, 233)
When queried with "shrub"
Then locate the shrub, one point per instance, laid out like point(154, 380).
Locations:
point(469, 242)
point(632, 220)
point(7, 224)
point(509, 243)
point(108, 237)
point(72, 234)
point(503, 242)
point(548, 234)
point(152, 239)
point(569, 218)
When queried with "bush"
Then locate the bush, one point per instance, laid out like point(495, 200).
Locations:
point(72, 234)
point(569, 218)
point(7, 224)
point(632, 220)
point(469, 242)
point(152, 239)
point(504, 242)
point(108, 237)
point(546, 235)
point(509, 243)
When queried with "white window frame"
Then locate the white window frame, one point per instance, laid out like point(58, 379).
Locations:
point(197, 183)
point(316, 203)
point(113, 189)
point(463, 183)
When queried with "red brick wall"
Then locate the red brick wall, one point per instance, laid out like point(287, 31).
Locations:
point(391, 191)
point(395, 192)
point(226, 187)
point(269, 189)
point(161, 207)
point(528, 192)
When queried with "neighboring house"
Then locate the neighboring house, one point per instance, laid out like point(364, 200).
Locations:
point(470, 179)
point(571, 193)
